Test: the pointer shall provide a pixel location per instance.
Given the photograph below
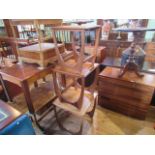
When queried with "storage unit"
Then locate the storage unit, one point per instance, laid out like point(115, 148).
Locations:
point(129, 95)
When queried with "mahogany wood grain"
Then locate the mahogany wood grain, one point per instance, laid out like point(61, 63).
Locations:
point(42, 54)
point(24, 75)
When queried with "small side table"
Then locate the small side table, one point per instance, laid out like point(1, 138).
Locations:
point(23, 75)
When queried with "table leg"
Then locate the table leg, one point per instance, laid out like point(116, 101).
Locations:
point(35, 84)
point(63, 80)
point(44, 79)
point(5, 89)
point(27, 95)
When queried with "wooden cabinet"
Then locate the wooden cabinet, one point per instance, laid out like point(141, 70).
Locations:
point(129, 95)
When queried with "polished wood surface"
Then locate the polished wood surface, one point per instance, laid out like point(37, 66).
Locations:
point(21, 72)
point(24, 75)
point(42, 54)
point(12, 114)
point(77, 27)
point(9, 42)
point(111, 72)
point(101, 53)
point(40, 21)
point(129, 94)
point(13, 89)
point(36, 48)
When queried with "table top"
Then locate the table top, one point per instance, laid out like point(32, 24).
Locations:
point(36, 47)
point(23, 71)
point(112, 72)
point(79, 22)
point(138, 29)
point(7, 114)
point(77, 27)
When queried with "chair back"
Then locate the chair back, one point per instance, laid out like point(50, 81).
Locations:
point(79, 57)
point(9, 46)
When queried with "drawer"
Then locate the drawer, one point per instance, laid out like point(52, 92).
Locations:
point(124, 108)
point(125, 92)
point(128, 85)
point(138, 102)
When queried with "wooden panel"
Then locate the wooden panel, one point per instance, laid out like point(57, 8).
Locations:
point(13, 90)
point(123, 108)
point(31, 55)
point(113, 73)
point(52, 53)
point(40, 21)
point(128, 85)
point(41, 56)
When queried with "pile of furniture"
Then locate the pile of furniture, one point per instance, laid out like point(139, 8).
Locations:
point(68, 68)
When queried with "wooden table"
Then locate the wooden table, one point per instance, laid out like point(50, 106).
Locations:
point(7, 114)
point(42, 55)
point(129, 94)
point(23, 75)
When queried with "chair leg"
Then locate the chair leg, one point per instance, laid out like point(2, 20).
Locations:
point(91, 113)
point(63, 128)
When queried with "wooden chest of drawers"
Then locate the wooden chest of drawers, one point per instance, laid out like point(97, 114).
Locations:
point(129, 95)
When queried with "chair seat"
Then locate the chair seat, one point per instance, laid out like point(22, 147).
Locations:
point(73, 94)
point(86, 69)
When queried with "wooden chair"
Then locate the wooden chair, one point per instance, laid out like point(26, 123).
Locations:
point(9, 47)
point(75, 97)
